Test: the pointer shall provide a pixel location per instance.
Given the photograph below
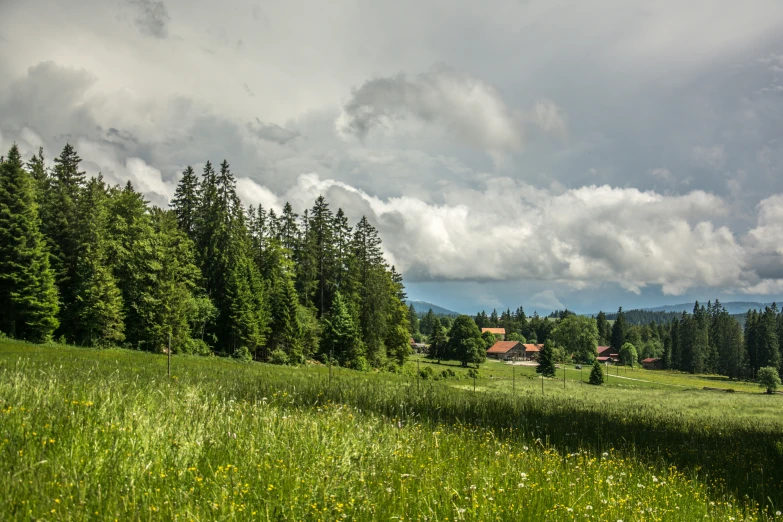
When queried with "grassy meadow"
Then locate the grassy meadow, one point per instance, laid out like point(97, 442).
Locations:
point(104, 435)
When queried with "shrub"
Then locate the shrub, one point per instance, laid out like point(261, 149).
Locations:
point(195, 347)
point(360, 363)
point(243, 354)
point(427, 373)
point(278, 356)
point(768, 378)
point(473, 373)
point(597, 374)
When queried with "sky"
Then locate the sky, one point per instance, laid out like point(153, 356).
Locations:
point(536, 153)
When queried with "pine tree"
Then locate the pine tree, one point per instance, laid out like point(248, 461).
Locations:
point(340, 338)
point(546, 360)
point(97, 311)
point(618, 331)
point(60, 219)
point(603, 325)
point(37, 168)
point(396, 340)
point(342, 248)
point(185, 202)
point(437, 341)
point(286, 331)
point(701, 340)
point(413, 320)
point(597, 374)
point(28, 295)
point(368, 289)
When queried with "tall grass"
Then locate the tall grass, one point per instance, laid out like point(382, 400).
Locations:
point(104, 434)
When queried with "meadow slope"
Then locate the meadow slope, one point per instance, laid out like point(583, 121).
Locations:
point(88, 434)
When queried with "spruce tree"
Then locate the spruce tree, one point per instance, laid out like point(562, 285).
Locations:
point(285, 329)
point(597, 374)
point(60, 218)
point(603, 325)
point(618, 331)
point(340, 338)
point(185, 202)
point(437, 341)
point(28, 295)
point(546, 360)
point(413, 320)
point(37, 168)
point(97, 311)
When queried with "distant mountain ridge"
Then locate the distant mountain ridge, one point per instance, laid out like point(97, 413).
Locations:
point(733, 307)
point(423, 307)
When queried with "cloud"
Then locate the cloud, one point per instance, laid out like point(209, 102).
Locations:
point(471, 109)
point(152, 17)
point(581, 237)
point(765, 242)
point(713, 157)
point(550, 118)
point(546, 300)
point(271, 132)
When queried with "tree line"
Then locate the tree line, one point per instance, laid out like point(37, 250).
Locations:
point(95, 265)
point(708, 340)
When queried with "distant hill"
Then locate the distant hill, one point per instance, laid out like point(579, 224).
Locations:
point(423, 307)
point(733, 307)
point(665, 314)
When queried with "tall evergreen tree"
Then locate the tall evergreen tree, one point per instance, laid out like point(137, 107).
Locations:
point(340, 338)
point(285, 329)
point(618, 332)
point(97, 311)
point(185, 202)
point(28, 295)
point(603, 326)
point(60, 218)
point(546, 359)
point(37, 168)
point(413, 320)
point(438, 341)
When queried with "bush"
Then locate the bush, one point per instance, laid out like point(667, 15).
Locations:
point(360, 363)
point(194, 347)
point(768, 378)
point(278, 356)
point(473, 373)
point(243, 354)
point(427, 373)
point(597, 374)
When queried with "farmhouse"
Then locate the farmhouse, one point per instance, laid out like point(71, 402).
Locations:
point(652, 363)
point(499, 333)
point(506, 350)
point(605, 356)
point(531, 351)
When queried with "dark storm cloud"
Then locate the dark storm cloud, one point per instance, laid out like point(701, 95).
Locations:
point(152, 17)
point(272, 132)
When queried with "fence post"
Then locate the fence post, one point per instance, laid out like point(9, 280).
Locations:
point(169, 356)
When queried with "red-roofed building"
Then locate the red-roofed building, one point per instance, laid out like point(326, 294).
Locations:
point(605, 355)
point(505, 350)
point(652, 363)
point(531, 351)
point(500, 333)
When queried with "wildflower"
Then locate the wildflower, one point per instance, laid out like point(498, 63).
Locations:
point(778, 513)
point(588, 507)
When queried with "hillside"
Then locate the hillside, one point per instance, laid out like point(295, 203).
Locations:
point(423, 306)
point(104, 431)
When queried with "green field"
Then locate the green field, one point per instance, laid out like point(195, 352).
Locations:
point(93, 435)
